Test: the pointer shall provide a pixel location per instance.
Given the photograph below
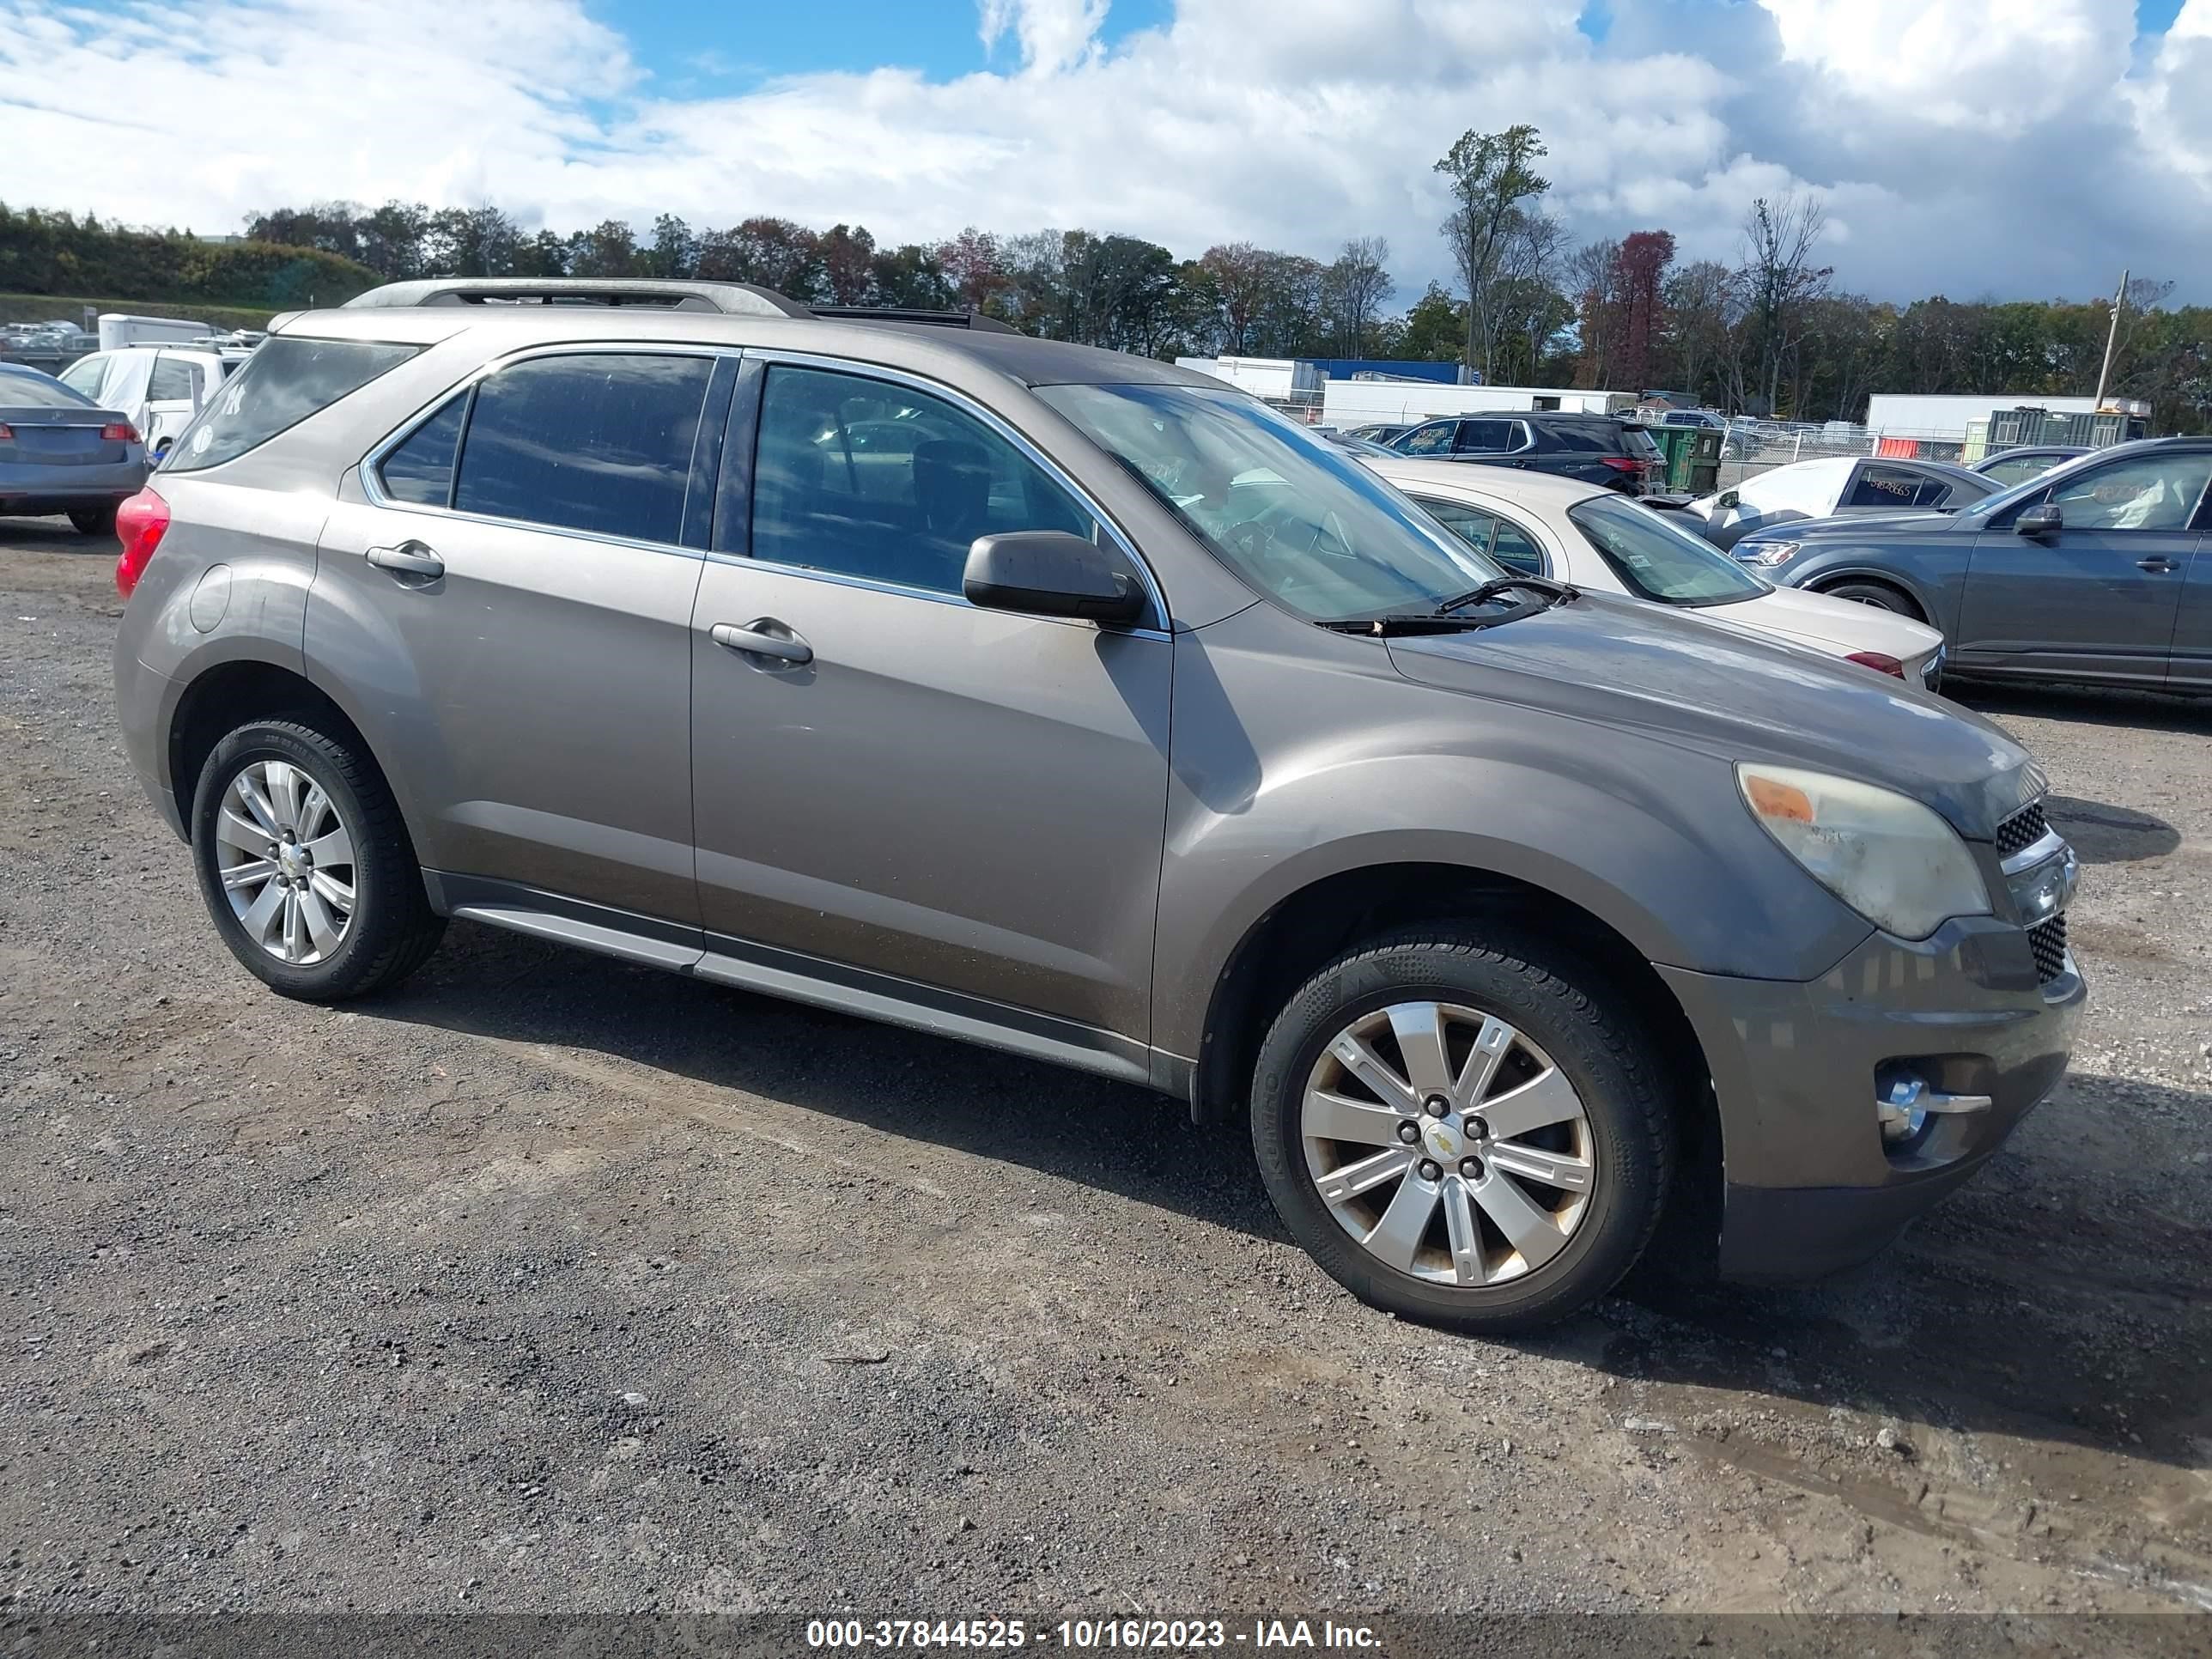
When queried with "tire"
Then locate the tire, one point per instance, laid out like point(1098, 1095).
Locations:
point(94, 521)
point(1562, 1013)
point(1878, 594)
point(390, 929)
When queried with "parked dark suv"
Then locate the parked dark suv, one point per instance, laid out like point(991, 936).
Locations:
point(1069, 703)
point(1596, 448)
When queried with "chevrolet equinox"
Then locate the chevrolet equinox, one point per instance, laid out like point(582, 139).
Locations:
point(1079, 706)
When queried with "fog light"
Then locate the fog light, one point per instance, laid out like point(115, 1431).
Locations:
point(1899, 1111)
point(1904, 1107)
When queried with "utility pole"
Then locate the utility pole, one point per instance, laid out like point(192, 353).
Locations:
point(2111, 338)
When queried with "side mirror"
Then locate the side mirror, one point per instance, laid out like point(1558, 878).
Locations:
point(1726, 500)
point(2044, 521)
point(1049, 573)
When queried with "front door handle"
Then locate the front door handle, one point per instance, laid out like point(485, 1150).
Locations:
point(408, 559)
point(763, 636)
point(2158, 564)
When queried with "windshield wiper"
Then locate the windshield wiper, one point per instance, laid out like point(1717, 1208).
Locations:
point(1556, 593)
point(1433, 622)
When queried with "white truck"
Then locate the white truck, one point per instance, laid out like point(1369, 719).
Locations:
point(159, 387)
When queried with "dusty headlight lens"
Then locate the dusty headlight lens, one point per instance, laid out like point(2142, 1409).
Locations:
point(1890, 859)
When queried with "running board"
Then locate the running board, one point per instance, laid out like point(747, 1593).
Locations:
point(792, 976)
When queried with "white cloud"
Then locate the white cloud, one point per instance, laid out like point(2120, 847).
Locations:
point(2173, 108)
point(1954, 149)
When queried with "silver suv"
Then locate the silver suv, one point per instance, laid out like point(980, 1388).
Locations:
point(1081, 707)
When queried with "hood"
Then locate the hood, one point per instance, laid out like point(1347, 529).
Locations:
point(1852, 523)
point(1837, 627)
point(1728, 693)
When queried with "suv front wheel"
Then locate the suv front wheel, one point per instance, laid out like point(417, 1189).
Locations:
point(1467, 1130)
point(306, 865)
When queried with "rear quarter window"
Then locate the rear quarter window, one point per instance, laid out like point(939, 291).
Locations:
point(286, 379)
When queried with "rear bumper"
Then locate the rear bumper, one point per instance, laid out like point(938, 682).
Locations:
point(1810, 1184)
point(34, 489)
point(144, 704)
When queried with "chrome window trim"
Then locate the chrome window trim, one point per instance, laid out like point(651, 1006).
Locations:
point(997, 423)
point(372, 485)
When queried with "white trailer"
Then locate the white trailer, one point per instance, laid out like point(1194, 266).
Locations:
point(1365, 403)
point(1945, 419)
point(118, 329)
point(1263, 377)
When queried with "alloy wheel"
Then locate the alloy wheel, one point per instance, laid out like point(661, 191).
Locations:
point(285, 858)
point(1448, 1144)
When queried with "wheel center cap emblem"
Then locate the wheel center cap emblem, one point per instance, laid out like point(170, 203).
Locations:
point(1442, 1140)
point(288, 860)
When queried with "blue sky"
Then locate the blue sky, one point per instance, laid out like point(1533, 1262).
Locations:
point(721, 48)
point(2001, 149)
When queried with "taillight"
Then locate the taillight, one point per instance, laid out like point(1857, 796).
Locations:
point(1879, 663)
point(7, 433)
point(1622, 464)
point(139, 523)
point(119, 432)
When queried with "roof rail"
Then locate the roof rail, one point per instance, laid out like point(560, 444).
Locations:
point(969, 319)
point(746, 299)
point(743, 299)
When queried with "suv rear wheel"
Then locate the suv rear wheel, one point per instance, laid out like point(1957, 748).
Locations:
point(94, 521)
point(306, 865)
point(1465, 1129)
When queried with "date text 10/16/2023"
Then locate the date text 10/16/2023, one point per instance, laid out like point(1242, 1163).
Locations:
point(1088, 1634)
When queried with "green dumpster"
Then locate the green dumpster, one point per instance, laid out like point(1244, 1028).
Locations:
point(1693, 456)
point(1673, 443)
point(1700, 466)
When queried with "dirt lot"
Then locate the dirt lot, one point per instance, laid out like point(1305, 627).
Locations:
point(552, 1283)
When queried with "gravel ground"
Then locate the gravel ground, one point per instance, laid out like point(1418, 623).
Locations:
point(549, 1283)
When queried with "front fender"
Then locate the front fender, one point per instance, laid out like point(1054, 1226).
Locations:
point(1363, 768)
point(1935, 590)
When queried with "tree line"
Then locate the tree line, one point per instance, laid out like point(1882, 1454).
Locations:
point(1769, 332)
point(58, 254)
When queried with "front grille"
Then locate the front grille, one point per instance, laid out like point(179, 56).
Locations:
point(2047, 939)
point(2021, 831)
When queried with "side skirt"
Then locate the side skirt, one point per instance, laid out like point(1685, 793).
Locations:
point(797, 977)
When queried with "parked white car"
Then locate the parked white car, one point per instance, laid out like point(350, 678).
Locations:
point(1833, 485)
point(160, 388)
point(1595, 538)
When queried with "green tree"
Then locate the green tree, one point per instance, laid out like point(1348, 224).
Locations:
point(1490, 175)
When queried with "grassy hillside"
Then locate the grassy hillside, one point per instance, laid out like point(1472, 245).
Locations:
point(45, 308)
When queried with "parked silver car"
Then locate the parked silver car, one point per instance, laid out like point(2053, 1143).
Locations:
point(62, 452)
point(1071, 704)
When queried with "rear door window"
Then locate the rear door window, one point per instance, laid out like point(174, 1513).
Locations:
point(172, 382)
point(1488, 437)
point(1487, 533)
point(287, 380)
point(598, 442)
point(1896, 488)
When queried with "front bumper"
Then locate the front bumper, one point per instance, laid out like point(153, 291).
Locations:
point(1810, 1184)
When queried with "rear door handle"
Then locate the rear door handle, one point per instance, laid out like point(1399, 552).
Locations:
point(2158, 563)
point(763, 636)
point(408, 559)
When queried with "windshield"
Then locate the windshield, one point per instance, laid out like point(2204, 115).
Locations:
point(1657, 560)
point(1295, 516)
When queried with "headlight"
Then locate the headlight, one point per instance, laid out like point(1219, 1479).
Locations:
point(1894, 860)
point(1769, 554)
